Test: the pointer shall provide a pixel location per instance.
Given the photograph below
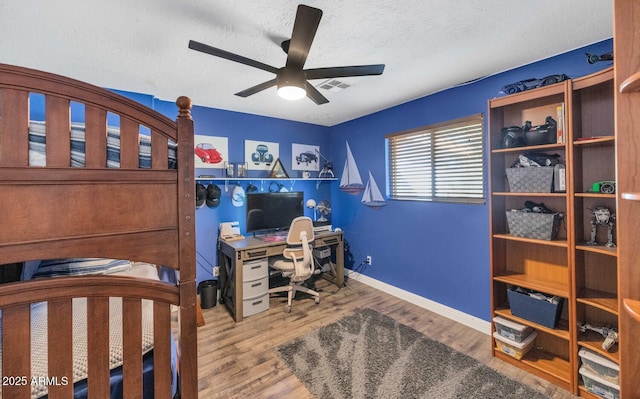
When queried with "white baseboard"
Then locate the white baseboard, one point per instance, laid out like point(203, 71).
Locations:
point(435, 307)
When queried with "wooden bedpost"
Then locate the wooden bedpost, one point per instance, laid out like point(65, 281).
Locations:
point(187, 244)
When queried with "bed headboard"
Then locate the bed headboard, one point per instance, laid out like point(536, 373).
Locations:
point(129, 212)
point(63, 211)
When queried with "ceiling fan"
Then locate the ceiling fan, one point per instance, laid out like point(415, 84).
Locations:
point(291, 79)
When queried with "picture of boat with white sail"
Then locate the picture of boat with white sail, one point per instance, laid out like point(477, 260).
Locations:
point(350, 181)
point(372, 196)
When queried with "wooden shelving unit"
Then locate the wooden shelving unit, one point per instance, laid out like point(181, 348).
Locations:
point(626, 24)
point(584, 275)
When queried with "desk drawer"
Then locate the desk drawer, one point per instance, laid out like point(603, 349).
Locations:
point(259, 253)
point(252, 289)
point(324, 241)
point(255, 305)
point(255, 269)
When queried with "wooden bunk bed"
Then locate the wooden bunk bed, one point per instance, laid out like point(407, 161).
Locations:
point(130, 213)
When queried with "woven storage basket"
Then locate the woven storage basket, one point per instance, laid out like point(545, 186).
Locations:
point(542, 226)
point(533, 179)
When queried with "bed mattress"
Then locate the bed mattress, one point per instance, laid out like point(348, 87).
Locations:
point(80, 371)
point(38, 142)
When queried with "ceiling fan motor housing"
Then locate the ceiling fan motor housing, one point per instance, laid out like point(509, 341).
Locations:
point(289, 77)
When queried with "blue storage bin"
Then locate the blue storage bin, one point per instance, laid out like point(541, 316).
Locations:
point(538, 311)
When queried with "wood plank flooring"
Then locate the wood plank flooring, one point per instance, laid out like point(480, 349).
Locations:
point(238, 360)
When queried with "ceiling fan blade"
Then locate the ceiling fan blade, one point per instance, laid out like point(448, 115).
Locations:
point(257, 88)
point(204, 48)
point(315, 95)
point(342, 72)
point(304, 30)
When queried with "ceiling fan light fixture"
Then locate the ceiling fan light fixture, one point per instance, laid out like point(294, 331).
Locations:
point(291, 93)
point(291, 85)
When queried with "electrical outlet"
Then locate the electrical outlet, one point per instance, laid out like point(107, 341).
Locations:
point(369, 260)
point(216, 271)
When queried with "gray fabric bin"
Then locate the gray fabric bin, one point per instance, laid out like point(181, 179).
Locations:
point(541, 226)
point(534, 179)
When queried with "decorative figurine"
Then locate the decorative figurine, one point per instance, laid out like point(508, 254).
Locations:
point(601, 216)
point(327, 168)
point(593, 58)
point(610, 334)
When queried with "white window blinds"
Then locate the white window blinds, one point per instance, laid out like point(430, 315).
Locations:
point(443, 162)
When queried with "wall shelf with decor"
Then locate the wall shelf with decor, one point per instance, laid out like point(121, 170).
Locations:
point(262, 180)
point(571, 266)
point(265, 179)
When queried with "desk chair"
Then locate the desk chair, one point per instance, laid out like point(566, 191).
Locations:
point(296, 262)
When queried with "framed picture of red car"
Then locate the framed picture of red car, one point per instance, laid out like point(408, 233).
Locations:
point(210, 151)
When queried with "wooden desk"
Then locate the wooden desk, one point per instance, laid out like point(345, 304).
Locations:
point(233, 254)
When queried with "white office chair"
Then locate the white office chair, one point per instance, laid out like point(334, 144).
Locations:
point(296, 262)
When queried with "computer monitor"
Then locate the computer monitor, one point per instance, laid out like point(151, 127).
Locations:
point(273, 211)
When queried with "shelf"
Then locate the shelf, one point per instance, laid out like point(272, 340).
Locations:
point(631, 196)
point(557, 89)
point(599, 299)
point(511, 194)
point(595, 195)
point(561, 331)
point(528, 148)
point(553, 243)
point(593, 341)
point(600, 249)
point(227, 180)
point(526, 281)
point(632, 307)
point(631, 84)
point(545, 365)
point(596, 141)
point(265, 178)
point(596, 78)
point(586, 394)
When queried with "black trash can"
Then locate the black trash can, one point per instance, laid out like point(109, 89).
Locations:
point(208, 290)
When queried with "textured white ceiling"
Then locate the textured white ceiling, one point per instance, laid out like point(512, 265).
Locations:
point(427, 45)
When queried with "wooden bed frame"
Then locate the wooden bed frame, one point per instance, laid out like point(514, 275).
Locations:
point(130, 213)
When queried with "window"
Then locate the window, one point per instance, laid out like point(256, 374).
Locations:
point(442, 162)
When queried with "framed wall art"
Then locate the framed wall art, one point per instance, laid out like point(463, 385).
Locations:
point(260, 155)
point(210, 151)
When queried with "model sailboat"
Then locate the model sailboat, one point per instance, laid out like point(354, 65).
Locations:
point(351, 181)
point(372, 196)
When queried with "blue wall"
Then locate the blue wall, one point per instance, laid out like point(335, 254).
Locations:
point(436, 250)
point(239, 127)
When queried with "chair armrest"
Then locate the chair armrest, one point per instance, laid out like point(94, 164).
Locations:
point(291, 253)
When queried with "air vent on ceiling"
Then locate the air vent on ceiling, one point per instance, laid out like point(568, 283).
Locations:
point(333, 85)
